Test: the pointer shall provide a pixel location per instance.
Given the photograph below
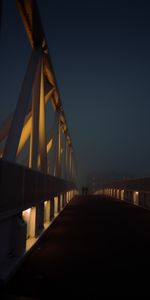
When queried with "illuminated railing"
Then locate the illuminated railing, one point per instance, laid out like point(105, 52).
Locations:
point(29, 202)
point(136, 192)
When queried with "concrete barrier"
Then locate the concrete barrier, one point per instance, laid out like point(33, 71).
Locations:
point(23, 212)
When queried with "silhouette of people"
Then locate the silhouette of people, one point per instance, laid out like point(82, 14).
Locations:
point(84, 190)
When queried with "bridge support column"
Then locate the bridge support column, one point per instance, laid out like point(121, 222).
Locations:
point(42, 150)
point(47, 211)
point(61, 202)
point(122, 195)
point(55, 206)
point(67, 197)
point(29, 217)
point(136, 198)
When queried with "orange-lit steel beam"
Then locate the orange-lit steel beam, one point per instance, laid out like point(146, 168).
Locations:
point(31, 19)
point(4, 129)
point(29, 13)
point(42, 125)
point(49, 145)
point(32, 23)
point(48, 148)
point(25, 135)
point(27, 127)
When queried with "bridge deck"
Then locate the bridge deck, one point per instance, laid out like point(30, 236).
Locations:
point(96, 246)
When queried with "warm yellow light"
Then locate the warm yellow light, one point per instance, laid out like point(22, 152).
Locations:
point(24, 136)
point(26, 213)
point(122, 194)
point(49, 145)
point(56, 205)
point(48, 148)
point(26, 131)
point(136, 198)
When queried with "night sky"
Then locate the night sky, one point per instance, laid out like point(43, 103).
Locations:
point(100, 52)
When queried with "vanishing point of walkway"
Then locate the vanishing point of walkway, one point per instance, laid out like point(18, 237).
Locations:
point(97, 246)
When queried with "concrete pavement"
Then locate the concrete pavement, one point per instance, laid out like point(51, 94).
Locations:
point(97, 247)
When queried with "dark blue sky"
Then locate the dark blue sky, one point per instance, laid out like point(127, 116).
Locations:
point(101, 56)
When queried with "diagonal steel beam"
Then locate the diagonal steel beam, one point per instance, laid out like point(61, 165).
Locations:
point(31, 19)
point(29, 13)
point(14, 135)
point(4, 128)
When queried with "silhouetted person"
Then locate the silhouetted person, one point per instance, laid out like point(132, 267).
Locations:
point(83, 190)
point(86, 191)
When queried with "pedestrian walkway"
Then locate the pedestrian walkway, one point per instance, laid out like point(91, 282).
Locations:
point(97, 246)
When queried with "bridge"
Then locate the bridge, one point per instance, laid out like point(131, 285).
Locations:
point(54, 241)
